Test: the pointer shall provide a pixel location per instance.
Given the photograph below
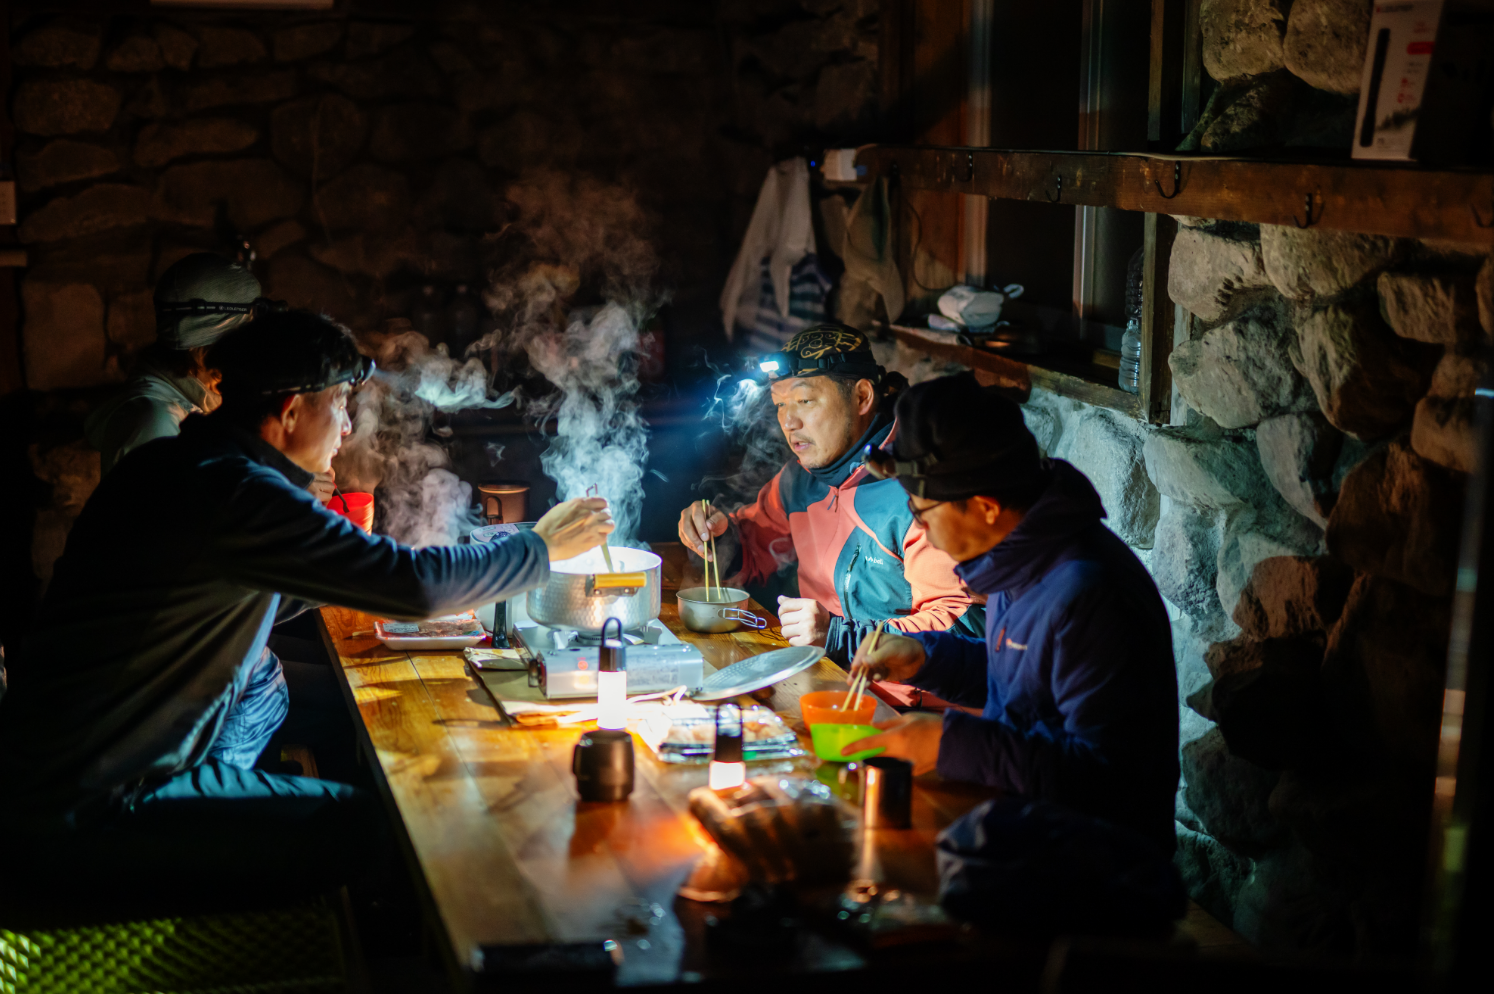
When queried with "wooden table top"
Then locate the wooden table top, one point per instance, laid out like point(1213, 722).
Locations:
point(508, 855)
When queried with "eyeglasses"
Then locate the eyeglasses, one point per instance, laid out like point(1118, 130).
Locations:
point(919, 512)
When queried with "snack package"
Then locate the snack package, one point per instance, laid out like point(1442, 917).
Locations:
point(686, 733)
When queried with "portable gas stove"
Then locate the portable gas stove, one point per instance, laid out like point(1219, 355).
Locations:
point(563, 662)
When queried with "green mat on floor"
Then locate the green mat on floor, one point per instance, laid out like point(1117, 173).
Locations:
point(292, 950)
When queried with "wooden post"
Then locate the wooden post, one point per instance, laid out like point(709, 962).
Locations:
point(1165, 84)
point(1156, 320)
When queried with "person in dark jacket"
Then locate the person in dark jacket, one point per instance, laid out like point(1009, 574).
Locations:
point(150, 643)
point(1075, 679)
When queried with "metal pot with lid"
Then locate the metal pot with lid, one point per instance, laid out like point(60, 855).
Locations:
point(582, 594)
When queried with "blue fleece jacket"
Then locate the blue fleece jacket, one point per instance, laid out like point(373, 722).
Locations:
point(1075, 677)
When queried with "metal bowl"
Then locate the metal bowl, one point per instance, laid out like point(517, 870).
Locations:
point(582, 594)
point(716, 609)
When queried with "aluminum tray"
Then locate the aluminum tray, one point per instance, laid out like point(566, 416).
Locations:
point(758, 672)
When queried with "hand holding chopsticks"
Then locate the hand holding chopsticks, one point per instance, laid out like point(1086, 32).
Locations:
point(859, 681)
point(705, 507)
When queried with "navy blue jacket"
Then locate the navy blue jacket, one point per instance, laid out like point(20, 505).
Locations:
point(1075, 677)
point(160, 606)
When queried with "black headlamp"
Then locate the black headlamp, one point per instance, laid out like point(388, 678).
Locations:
point(257, 307)
point(356, 377)
point(777, 365)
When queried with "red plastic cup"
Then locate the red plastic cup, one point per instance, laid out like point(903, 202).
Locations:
point(357, 508)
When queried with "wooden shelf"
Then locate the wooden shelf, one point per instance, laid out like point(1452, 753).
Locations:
point(1404, 201)
point(1060, 374)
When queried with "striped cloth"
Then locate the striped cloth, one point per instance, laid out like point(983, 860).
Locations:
point(768, 330)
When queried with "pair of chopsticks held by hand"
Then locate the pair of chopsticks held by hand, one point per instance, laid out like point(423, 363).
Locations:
point(859, 681)
point(705, 508)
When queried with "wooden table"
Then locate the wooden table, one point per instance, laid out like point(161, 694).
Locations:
point(507, 855)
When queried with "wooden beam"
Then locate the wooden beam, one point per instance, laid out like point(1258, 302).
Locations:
point(1155, 386)
point(1402, 201)
point(1018, 377)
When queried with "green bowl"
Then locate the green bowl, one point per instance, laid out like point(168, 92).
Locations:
point(829, 739)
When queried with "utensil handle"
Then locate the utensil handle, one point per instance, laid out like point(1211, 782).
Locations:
point(745, 617)
point(611, 581)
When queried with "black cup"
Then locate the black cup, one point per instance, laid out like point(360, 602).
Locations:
point(887, 792)
point(603, 765)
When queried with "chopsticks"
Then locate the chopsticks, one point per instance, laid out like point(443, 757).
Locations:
point(606, 553)
point(858, 683)
point(705, 507)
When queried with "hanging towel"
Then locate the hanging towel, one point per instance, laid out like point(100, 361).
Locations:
point(781, 233)
point(808, 287)
point(868, 248)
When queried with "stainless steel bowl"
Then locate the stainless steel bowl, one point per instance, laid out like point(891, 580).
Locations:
point(582, 594)
point(717, 609)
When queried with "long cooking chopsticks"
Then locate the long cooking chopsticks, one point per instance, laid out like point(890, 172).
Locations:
point(606, 552)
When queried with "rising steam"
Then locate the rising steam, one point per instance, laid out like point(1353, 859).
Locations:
point(419, 500)
point(571, 282)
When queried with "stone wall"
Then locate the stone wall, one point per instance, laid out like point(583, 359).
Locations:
point(363, 159)
point(1301, 516)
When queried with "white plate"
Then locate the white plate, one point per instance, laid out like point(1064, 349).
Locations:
point(757, 672)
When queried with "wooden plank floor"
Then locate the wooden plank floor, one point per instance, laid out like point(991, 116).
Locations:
point(507, 853)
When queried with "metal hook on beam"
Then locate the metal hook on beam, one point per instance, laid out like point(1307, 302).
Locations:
point(1177, 182)
point(1310, 219)
point(1058, 190)
point(969, 167)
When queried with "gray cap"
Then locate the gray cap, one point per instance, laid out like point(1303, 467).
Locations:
point(201, 298)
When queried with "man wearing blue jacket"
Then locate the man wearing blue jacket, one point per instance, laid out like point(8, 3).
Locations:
point(143, 694)
point(1075, 677)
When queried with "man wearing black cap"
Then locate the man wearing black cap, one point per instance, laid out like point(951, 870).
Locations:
point(862, 557)
point(1075, 676)
point(150, 643)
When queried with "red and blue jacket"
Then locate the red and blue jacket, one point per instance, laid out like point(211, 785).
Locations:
point(859, 551)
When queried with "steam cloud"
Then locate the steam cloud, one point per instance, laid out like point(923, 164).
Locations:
point(420, 501)
point(571, 283)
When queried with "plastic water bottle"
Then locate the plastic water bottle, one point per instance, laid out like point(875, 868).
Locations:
point(1130, 360)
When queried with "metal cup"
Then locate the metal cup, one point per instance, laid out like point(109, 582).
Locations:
point(887, 793)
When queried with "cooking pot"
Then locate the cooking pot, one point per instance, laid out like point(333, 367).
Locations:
point(582, 594)
point(716, 609)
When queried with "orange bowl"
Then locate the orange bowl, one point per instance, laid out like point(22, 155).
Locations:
point(827, 707)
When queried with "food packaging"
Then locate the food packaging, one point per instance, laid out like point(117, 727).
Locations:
point(686, 733)
point(449, 631)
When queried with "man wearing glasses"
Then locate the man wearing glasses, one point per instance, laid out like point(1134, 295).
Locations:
point(862, 556)
point(1075, 677)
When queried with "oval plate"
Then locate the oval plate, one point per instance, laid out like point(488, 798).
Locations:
point(758, 672)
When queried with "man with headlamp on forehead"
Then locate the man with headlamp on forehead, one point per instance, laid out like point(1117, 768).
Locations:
point(199, 299)
point(1075, 677)
point(139, 702)
point(862, 557)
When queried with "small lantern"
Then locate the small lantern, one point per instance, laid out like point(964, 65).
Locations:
point(612, 680)
point(728, 770)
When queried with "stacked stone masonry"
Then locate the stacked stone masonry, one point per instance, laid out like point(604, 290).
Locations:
point(363, 158)
point(1308, 505)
